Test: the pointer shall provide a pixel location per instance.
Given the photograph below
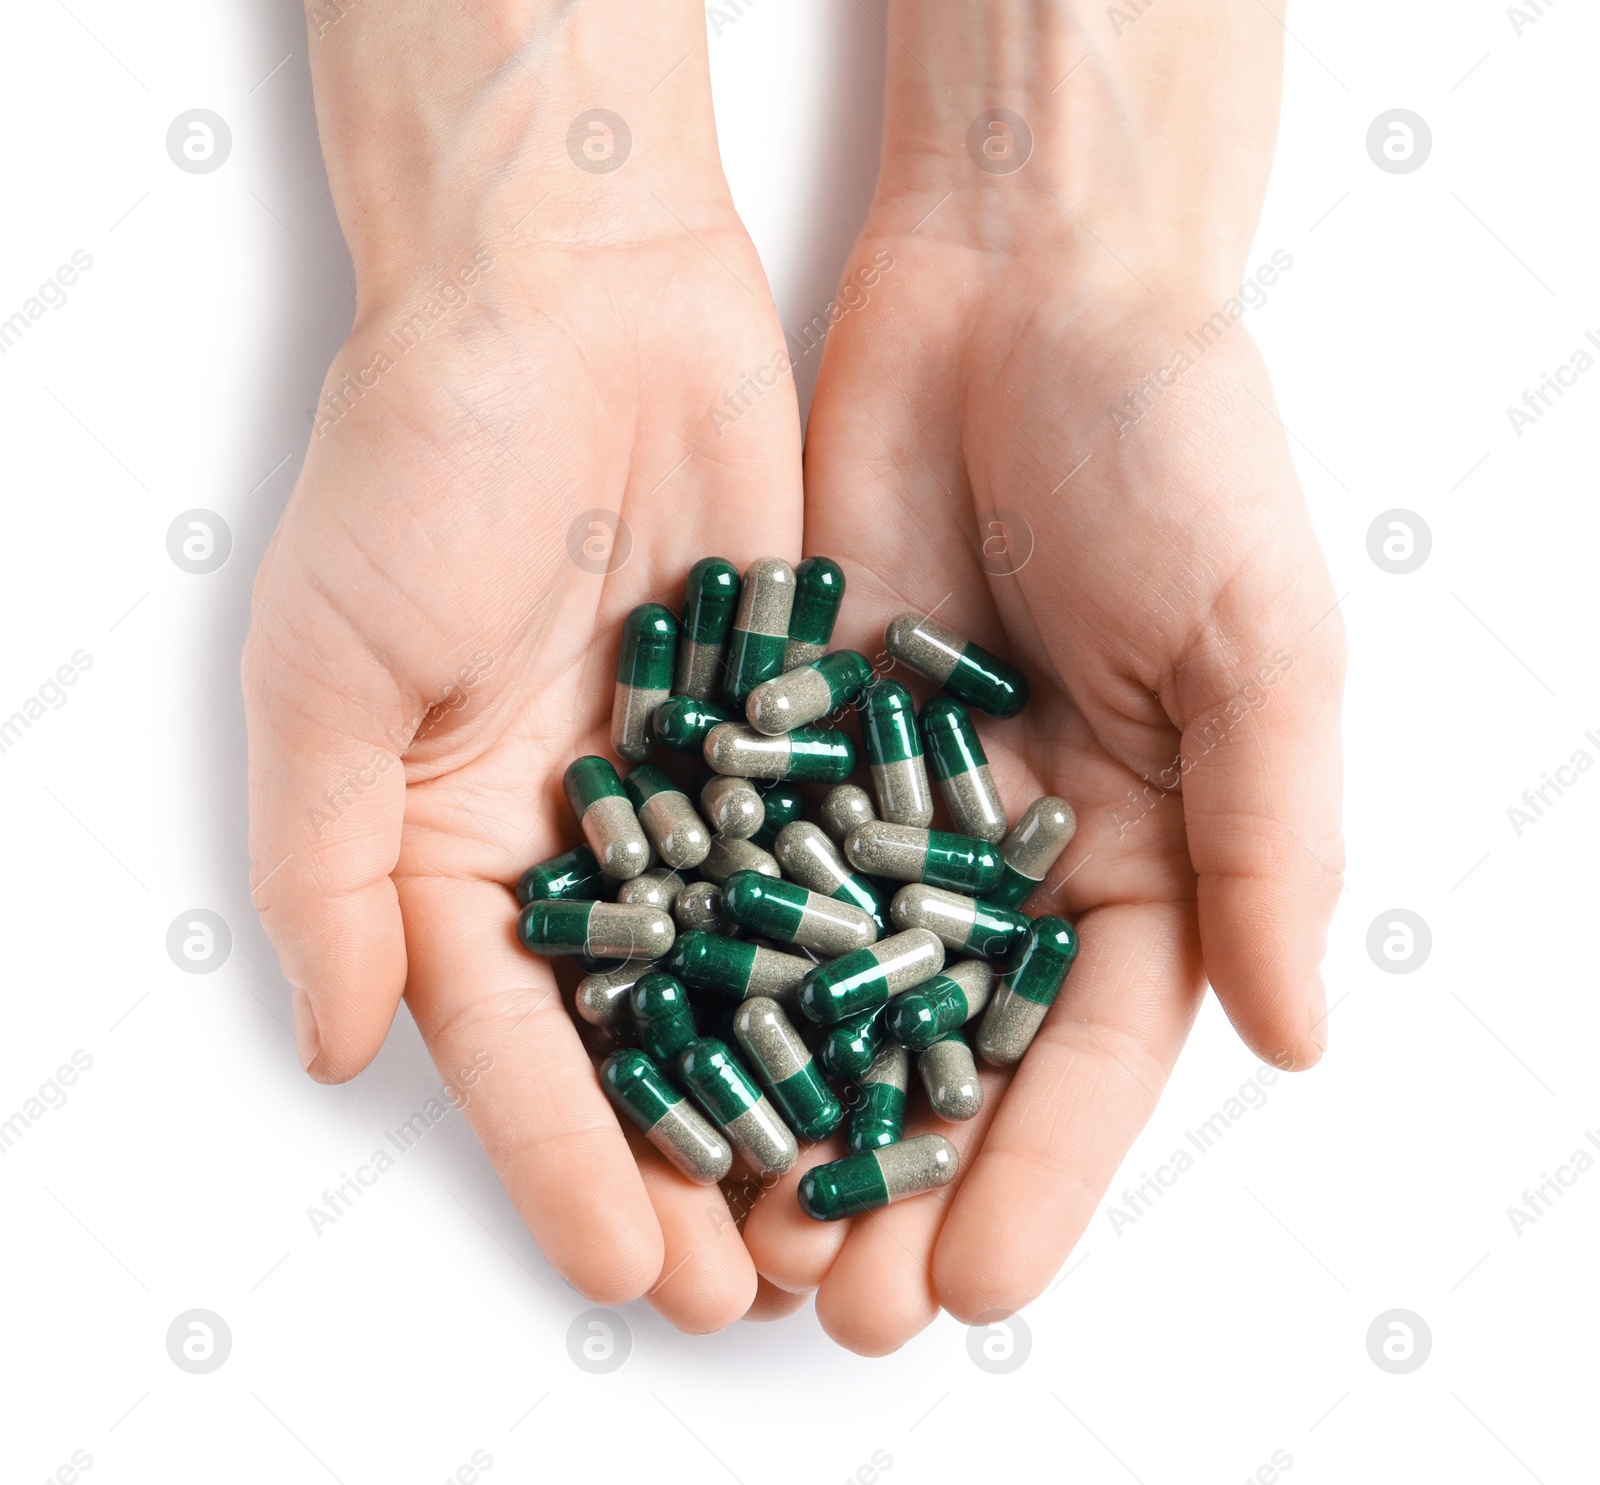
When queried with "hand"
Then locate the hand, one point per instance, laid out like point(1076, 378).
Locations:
point(1174, 606)
point(427, 652)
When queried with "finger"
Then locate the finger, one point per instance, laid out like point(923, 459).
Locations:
point(327, 796)
point(1258, 697)
point(791, 1249)
point(707, 1280)
point(773, 1303)
point(480, 1001)
point(1080, 1095)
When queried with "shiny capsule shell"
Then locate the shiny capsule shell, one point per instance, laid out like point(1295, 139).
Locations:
point(1034, 845)
point(870, 977)
point(843, 808)
point(950, 660)
point(961, 770)
point(878, 1101)
point(699, 909)
point(809, 754)
point(799, 697)
point(572, 874)
point(950, 1078)
point(790, 914)
point(904, 853)
point(681, 722)
point(599, 930)
point(710, 597)
point(760, 633)
point(729, 856)
point(939, 1006)
point(875, 1178)
point(606, 817)
point(602, 997)
point(807, 856)
point(893, 745)
point(718, 1082)
point(734, 806)
point(668, 817)
point(964, 924)
point(781, 803)
point(785, 1067)
point(736, 969)
point(665, 1019)
point(846, 1050)
point(644, 678)
point(668, 1120)
point(818, 592)
point(659, 887)
point(1027, 992)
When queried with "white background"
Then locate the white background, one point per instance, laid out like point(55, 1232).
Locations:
point(1226, 1324)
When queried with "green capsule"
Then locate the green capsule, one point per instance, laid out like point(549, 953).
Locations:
point(870, 977)
point(1021, 999)
point(781, 803)
point(681, 722)
point(709, 601)
point(903, 853)
point(893, 745)
point(801, 696)
point(573, 873)
point(599, 930)
point(662, 1013)
point(956, 759)
point(953, 662)
point(874, 1178)
point(785, 1068)
point(789, 914)
point(609, 824)
point(1034, 845)
point(809, 754)
point(807, 856)
point(818, 592)
point(760, 632)
point(846, 1050)
point(878, 1107)
point(736, 969)
point(644, 677)
point(724, 1090)
point(668, 817)
point(964, 925)
point(950, 1077)
point(602, 997)
point(665, 1118)
point(939, 1006)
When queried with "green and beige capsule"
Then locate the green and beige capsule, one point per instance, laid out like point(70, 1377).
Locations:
point(921, 1016)
point(597, 930)
point(893, 745)
point(760, 633)
point(790, 914)
point(846, 1050)
point(875, 1178)
point(785, 1067)
point(878, 1101)
point(665, 1117)
point(807, 856)
point(964, 924)
point(1034, 845)
point(870, 977)
point(960, 769)
point(699, 910)
point(798, 697)
point(668, 817)
point(572, 874)
point(818, 592)
point(1027, 992)
point(709, 601)
point(821, 755)
point(781, 804)
point(663, 1015)
point(843, 808)
point(953, 662)
point(602, 997)
point(736, 969)
point(681, 723)
point(730, 1098)
point(950, 1078)
point(728, 856)
point(644, 678)
point(903, 853)
point(607, 819)
point(658, 888)
point(734, 806)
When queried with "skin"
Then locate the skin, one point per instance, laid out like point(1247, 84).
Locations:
point(429, 526)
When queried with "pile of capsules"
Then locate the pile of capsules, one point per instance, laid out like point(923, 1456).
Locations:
point(742, 955)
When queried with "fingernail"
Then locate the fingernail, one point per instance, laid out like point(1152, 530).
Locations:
point(306, 1040)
